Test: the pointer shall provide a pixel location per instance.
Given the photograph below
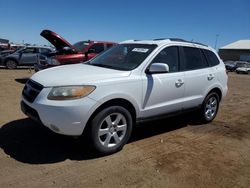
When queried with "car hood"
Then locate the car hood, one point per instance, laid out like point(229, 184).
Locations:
point(56, 40)
point(78, 74)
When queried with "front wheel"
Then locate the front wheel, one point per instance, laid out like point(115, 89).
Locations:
point(110, 130)
point(209, 107)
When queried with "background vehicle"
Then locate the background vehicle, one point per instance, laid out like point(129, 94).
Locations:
point(25, 56)
point(230, 65)
point(233, 65)
point(70, 54)
point(245, 69)
point(133, 81)
point(3, 54)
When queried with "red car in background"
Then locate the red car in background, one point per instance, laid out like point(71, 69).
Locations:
point(66, 53)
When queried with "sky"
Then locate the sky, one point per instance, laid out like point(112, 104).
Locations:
point(119, 20)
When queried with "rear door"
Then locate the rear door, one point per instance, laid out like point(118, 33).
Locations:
point(198, 76)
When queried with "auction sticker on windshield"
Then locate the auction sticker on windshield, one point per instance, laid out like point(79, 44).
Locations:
point(143, 50)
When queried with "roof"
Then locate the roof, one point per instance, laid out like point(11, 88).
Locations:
point(238, 45)
point(164, 41)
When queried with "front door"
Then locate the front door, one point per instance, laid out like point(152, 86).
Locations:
point(28, 56)
point(163, 92)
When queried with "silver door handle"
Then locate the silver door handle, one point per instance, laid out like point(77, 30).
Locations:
point(179, 83)
point(210, 77)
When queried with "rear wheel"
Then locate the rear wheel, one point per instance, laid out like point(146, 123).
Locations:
point(110, 130)
point(11, 64)
point(209, 107)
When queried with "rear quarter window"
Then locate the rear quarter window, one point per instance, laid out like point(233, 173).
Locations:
point(211, 58)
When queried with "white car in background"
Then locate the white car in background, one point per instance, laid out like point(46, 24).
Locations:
point(133, 81)
point(245, 69)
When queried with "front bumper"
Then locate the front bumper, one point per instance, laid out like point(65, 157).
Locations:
point(63, 117)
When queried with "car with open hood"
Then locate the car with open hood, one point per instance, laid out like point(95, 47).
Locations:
point(67, 53)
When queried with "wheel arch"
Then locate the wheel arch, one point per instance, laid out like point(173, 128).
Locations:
point(216, 90)
point(113, 102)
point(10, 58)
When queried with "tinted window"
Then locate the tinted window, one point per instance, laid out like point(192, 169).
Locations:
point(44, 51)
point(194, 59)
point(29, 50)
point(80, 46)
point(109, 45)
point(169, 56)
point(97, 48)
point(211, 58)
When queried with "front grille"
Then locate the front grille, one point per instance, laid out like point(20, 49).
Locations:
point(31, 90)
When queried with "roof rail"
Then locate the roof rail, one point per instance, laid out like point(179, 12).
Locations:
point(180, 40)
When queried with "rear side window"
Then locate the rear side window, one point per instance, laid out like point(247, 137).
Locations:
point(169, 56)
point(29, 50)
point(194, 59)
point(211, 58)
point(109, 45)
point(98, 48)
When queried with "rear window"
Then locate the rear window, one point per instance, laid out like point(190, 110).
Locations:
point(211, 58)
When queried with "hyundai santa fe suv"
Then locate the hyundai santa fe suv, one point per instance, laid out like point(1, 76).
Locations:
point(67, 53)
point(131, 82)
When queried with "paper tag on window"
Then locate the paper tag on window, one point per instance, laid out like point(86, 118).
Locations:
point(143, 50)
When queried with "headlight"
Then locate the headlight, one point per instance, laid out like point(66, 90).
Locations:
point(70, 92)
point(52, 61)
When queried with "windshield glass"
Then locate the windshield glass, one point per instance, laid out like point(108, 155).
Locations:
point(123, 56)
point(80, 46)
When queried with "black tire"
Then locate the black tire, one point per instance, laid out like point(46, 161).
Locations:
point(11, 64)
point(205, 108)
point(106, 144)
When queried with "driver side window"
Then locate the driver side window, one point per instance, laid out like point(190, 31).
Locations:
point(29, 50)
point(170, 57)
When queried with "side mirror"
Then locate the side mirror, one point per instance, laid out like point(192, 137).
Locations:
point(158, 68)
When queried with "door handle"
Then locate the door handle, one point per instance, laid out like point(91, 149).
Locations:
point(179, 83)
point(210, 77)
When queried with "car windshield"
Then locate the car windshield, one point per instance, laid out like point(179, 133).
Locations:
point(80, 46)
point(123, 56)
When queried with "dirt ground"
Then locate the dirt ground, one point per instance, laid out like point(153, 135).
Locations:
point(173, 152)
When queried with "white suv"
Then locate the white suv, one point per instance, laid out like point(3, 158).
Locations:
point(133, 81)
